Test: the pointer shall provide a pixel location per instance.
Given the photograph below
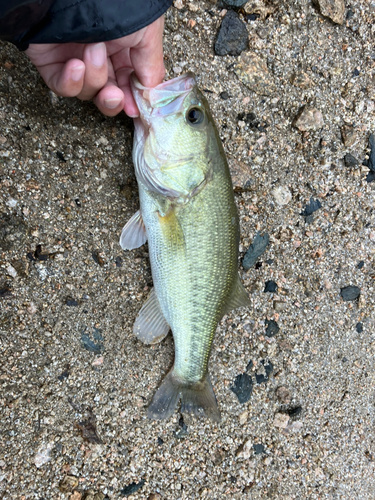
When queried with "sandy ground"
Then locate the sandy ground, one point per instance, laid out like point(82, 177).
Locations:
point(69, 360)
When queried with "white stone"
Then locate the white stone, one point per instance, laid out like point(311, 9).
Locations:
point(282, 195)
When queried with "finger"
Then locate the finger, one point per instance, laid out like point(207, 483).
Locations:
point(96, 72)
point(147, 57)
point(65, 79)
point(123, 81)
point(110, 100)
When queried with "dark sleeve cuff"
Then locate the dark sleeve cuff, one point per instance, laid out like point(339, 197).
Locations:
point(84, 21)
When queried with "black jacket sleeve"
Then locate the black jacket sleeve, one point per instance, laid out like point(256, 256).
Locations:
point(87, 21)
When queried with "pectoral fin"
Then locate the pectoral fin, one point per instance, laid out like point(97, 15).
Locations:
point(150, 326)
point(238, 298)
point(134, 233)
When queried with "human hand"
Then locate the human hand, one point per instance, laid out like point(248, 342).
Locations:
point(102, 71)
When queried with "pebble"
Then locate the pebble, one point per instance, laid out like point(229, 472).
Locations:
point(334, 9)
point(76, 495)
point(359, 327)
point(11, 271)
point(350, 293)
point(224, 95)
point(241, 174)
point(132, 488)
point(256, 249)
point(258, 449)
point(272, 328)
point(154, 496)
point(263, 8)
point(279, 305)
point(311, 207)
point(43, 455)
point(179, 4)
point(283, 394)
point(244, 451)
point(281, 420)
point(243, 417)
point(270, 287)
point(233, 37)
point(242, 387)
point(348, 135)
point(92, 495)
point(309, 119)
point(350, 160)
point(253, 72)
point(282, 195)
point(69, 483)
point(301, 79)
point(235, 3)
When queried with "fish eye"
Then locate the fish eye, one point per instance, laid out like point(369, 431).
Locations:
point(195, 116)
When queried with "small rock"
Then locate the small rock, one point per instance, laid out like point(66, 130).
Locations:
point(43, 455)
point(179, 4)
point(270, 287)
point(241, 174)
point(309, 119)
point(334, 9)
point(32, 308)
point(233, 37)
point(224, 95)
point(294, 412)
point(242, 387)
point(360, 264)
point(243, 417)
point(263, 8)
point(256, 249)
point(132, 488)
point(283, 394)
point(282, 195)
point(258, 449)
point(218, 457)
point(154, 496)
point(76, 495)
point(92, 495)
point(88, 430)
point(349, 293)
point(359, 327)
point(301, 80)
point(13, 232)
point(11, 202)
point(98, 361)
point(253, 72)
point(311, 207)
point(281, 420)
point(350, 160)
point(71, 302)
point(235, 3)
point(348, 135)
point(69, 483)
point(272, 328)
point(11, 271)
point(279, 305)
point(244, 451)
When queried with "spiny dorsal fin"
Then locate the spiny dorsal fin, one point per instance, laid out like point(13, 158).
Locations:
point(150, 326)
point(238, 298)
point(134, 233)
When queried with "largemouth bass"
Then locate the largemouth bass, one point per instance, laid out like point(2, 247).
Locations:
point(189, 217)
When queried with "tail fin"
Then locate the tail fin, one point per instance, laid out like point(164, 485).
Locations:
point(196, 399)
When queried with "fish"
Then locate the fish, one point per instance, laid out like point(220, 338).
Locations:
point(189, 217)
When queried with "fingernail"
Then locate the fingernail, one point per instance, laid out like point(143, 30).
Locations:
point(97, 54)
point(77, 73)
point(112, 103)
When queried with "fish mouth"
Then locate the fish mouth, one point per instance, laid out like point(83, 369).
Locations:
point(162, 100)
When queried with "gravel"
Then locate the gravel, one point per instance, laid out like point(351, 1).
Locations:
point(319, 358)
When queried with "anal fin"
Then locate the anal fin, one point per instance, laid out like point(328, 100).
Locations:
point(238, 298)
point(150, 326)
point(134, 233)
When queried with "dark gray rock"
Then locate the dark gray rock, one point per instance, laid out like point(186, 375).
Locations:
point(258, 449)
point(235, 3)
point(272, 328)
point(233, 37)
point(255, 250)
point(350, 293)
point(359, 327)
point(350, 160)
point(132, 488)
point(371, 162)
point(311, 207)
point(270, 287)
point(242, 387)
